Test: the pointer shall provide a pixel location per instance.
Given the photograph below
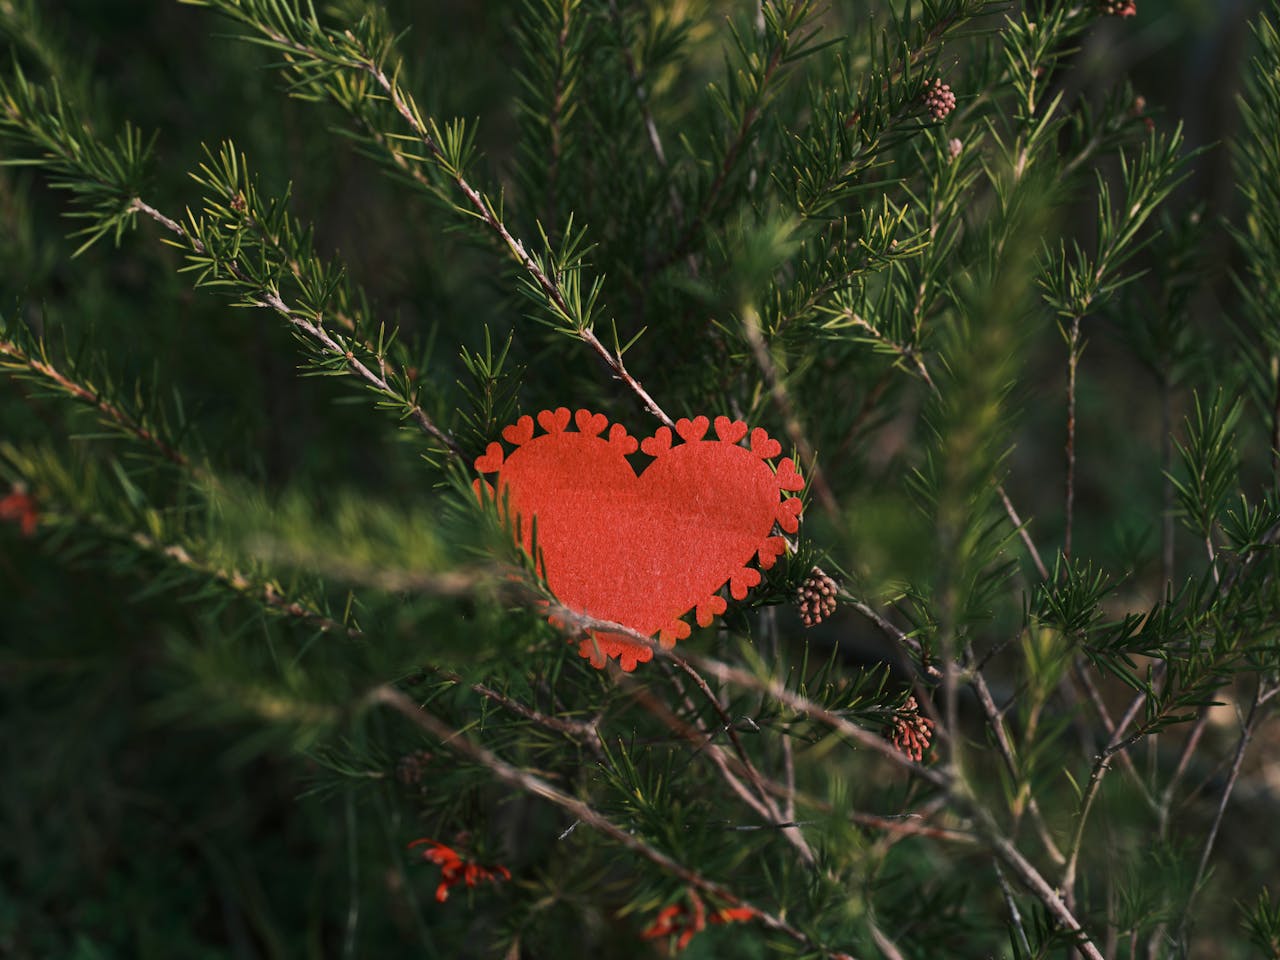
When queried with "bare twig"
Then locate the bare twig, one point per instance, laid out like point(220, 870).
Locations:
point(896, 635)
point(713, 751)
point(1073, 361)
point(1014, 916)
point(1188, 748)
point(588, 733)
point(793, 834)
point(1113, 730)
point(1022, 533)
point(1166, 483)
point(885, 945)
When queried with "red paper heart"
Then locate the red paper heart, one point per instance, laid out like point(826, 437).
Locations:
point(644, 550)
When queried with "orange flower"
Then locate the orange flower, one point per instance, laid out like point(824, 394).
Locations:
point(454, 870)
point(20, 507)
point(682, 922)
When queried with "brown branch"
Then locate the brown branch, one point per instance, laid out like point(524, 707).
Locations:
point(1022, 533)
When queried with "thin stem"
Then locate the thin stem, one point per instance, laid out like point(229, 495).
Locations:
point(793, 834)
point(1184, 759)
point(883, 943)
point(1166, 462)
point(1022, 533)
point(1275, 424)
point(1014, 916)
point(237, 582)
point(1037, 884)
point(554, 119)
point(588, 733)
point(1113, 730)
point(642, 98)
point(1246, 734)
point(739, 142)
point(700, 738)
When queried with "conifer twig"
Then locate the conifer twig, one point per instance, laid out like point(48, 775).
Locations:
point(736, 146)
point(353, 56)
point(389, 696)
point(588, 733)
point(85, 393)
point(483, 210)
point(270, 299)
point(265, 593)
point(704, 742)
point(1073, 362)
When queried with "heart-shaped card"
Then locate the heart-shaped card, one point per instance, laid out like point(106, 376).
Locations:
point(644, 550)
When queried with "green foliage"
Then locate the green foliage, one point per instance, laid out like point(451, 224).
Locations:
point(251, 537)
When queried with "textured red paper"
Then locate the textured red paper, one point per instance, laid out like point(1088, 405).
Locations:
point(643, 551)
